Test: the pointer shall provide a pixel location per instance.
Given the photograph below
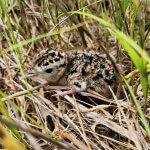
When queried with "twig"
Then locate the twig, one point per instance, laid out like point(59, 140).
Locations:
point(23, 92)
point(36, 133)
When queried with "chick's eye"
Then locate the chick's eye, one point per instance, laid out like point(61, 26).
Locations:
point(49, 70)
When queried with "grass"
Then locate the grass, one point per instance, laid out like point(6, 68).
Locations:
point(27, 27)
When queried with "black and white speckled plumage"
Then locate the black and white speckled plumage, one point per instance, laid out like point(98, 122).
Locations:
point(80, 69)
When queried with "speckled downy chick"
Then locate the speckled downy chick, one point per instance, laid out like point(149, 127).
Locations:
point(75, 71)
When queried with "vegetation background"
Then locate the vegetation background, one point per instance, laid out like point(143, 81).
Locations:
point(31, 118)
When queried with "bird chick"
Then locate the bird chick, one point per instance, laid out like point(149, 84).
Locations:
point(75, 71)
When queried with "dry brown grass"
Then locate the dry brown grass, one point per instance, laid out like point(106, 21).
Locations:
point(86, 121)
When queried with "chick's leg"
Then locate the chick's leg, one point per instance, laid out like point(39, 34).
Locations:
point(69, 90)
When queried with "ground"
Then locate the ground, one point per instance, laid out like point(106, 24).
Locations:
point(87, 120)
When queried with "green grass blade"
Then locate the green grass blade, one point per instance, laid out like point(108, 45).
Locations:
point(119, 34)
point(4, 7)
point(5, 113)
point(28, 41)
point(124, 6)
point(138, 107)
point(133, 12)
